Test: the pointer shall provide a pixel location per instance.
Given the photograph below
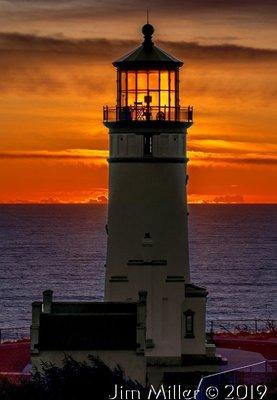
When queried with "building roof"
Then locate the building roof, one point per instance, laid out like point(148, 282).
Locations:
point(147, 55)
point(192, 290)
point(89, 326)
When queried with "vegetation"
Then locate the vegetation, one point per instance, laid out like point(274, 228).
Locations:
point(75, 380)
point(83, 381)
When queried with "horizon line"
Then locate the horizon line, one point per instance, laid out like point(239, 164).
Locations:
point(204, 203)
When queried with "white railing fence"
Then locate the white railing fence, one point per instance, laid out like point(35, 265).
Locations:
point(248, 382)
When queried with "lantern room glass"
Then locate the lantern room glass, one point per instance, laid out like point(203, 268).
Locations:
point(148, 94)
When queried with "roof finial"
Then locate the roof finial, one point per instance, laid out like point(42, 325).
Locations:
point(147, 16)
point(147, 31)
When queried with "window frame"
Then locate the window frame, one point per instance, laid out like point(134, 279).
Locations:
point(171, 94)
point(189, 326)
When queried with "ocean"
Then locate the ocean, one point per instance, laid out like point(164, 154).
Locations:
point(62, 247)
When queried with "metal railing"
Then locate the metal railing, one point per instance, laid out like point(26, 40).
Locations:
point(234, 326)
point(14, 334)
point(242, 381)
point(144, 113)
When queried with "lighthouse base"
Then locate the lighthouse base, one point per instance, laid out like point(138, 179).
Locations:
point(116, 332)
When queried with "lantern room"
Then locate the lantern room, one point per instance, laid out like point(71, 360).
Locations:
point(147, 85)
point(148, 88)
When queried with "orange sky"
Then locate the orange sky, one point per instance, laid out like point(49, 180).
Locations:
point(56, 73)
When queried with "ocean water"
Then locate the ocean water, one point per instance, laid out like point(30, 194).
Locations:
point(62, 247)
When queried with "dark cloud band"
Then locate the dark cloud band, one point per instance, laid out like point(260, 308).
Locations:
point(109, 49)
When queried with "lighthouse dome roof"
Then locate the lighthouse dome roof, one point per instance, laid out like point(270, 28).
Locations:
point(147, 55)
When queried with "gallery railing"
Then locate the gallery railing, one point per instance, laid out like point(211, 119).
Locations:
point(144, 113)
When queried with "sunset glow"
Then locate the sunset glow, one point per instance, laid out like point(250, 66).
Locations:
point(56, 74)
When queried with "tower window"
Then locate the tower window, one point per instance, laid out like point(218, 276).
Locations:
point(189, 323)
point(148, 145)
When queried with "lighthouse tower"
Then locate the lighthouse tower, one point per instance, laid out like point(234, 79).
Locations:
point(147, 247)
point(152, 322)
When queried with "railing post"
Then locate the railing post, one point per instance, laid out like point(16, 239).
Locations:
point(190, 113)
point(47, 301)
point(177, 113)
point(212, 327)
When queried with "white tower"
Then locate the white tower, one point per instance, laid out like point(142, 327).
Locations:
point(147, 214)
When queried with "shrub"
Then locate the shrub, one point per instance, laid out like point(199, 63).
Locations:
point(74, 380)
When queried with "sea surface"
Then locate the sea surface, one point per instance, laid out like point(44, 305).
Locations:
point(62, 247)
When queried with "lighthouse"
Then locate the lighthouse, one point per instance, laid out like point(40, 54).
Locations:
point(152, 320)
point(147, 246)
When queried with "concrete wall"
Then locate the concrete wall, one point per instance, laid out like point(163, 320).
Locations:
point(149, 198)
point(131, 145)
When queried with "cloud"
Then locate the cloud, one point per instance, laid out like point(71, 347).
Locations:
point(46, 66)
point(223, 38)
point(33, 44)
point(234, 137)
point(100, 156)
point(51, 200)
point(103, 49)
point(53, 88)
point(211, 20)
point(102, 199)
point(233, 199)
point(62, 66)
point(204, 158)
point(93, 9)
point(226, 146)
point(270, 161)
point(72, 154)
